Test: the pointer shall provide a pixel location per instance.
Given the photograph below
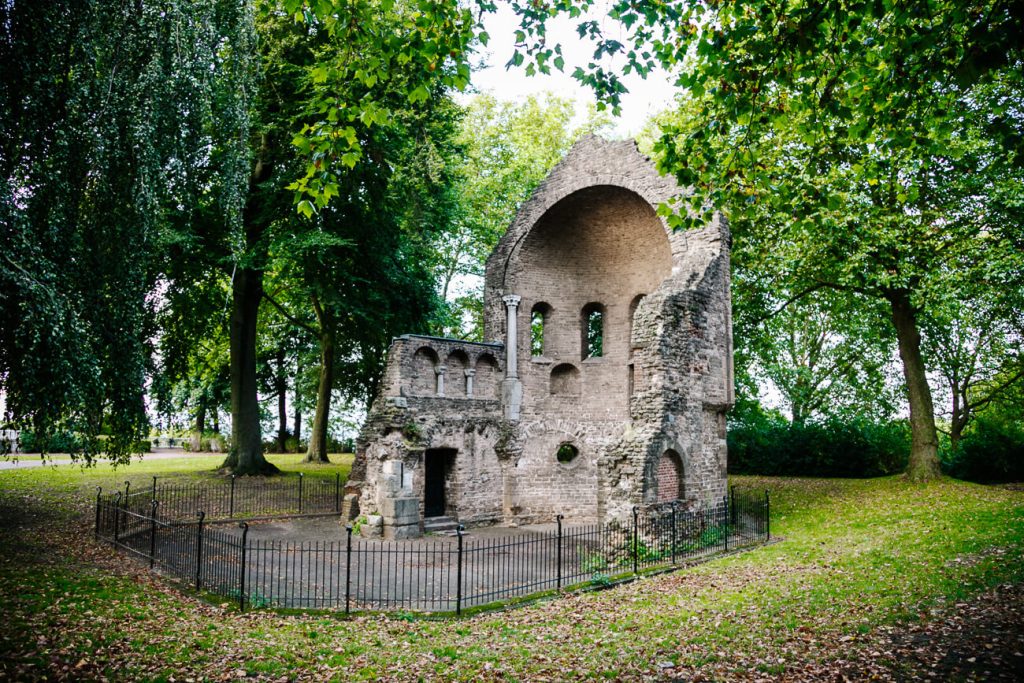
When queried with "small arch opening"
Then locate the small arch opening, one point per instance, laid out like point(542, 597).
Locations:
point(538, 319)
point(457, 363)
point(593, 330)
point(565, 380)
point(669, 477)
point(424, 379)
point(486, 380)
point(632, 312)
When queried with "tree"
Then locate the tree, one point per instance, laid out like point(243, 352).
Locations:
point(821, 353)
point(98, 106)
point(976, 348)
point(876, 146)
point(355, 272)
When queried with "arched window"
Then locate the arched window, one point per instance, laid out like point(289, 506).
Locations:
point(457, 362)
point(669, 477)
point(538, 316)
point(565, 380)
point(424, 379)
point(593, 331)
point(485, 383)
point(632, 312)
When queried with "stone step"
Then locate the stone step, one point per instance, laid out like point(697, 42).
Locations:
point(440, 525)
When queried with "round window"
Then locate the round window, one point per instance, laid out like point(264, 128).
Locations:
point(567, 453)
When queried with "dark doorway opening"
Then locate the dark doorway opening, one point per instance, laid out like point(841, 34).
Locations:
point(437, 464)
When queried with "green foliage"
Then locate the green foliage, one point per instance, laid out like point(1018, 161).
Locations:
point(101, 130)
point(381, 58)
point(836, 447)
point(63, 442)
point(991, 451)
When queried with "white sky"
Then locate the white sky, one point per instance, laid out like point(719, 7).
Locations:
point(645, 97)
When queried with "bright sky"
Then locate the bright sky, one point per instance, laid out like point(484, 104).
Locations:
point(645, 97)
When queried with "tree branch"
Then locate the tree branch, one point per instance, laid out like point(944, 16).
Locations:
point(289, 317)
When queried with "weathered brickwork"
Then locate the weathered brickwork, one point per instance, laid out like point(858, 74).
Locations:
point(634, 370)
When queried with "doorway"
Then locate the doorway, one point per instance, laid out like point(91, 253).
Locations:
point(437, 465)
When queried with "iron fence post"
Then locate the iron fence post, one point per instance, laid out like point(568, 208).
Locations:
point(231, 498)
point(558, 519)
point(767, 516)
point(199, 550)
point(152, 532)
point(348, 567)
point(127, 488)
point(337, 491)
point(117, 516)
point(675, 504)
point(732, 504)
point(241, 572)
point(458, 575)
point(300, 493)
point(725, 525)
point(636, 539)
point(154, 488)
point(99, 494)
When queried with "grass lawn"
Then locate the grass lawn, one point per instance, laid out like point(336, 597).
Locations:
point(871, 578)
point(67, 481)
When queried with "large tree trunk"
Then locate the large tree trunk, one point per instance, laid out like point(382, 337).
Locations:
point(281, 385)
point(246, 456)
point(200, 426)
point(297, 424)
point(924, 439)
point(318, 438)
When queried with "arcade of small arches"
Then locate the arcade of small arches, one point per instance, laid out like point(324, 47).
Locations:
point(461, 375)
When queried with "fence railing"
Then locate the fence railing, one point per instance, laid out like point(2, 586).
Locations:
point(434, 574)
point(237, 498)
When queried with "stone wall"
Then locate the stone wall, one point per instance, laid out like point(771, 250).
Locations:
point(567, 426)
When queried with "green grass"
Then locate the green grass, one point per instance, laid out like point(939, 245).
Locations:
point(855, 556)
point(64, 479)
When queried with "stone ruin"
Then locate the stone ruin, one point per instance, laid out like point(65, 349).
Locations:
point(605, 381)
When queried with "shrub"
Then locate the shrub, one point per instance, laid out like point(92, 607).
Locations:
point(835, 447)
point(65, 442)
point(991, 451)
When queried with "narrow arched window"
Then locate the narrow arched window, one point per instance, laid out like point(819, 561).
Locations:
point(593, 331)
point(538, 317)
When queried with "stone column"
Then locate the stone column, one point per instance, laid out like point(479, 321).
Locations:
point(511, 337)
point(470, 372)
point(439, 371)
point(511, 388)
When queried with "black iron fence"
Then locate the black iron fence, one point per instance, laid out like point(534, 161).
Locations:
point(434, 574)
point(237, 498)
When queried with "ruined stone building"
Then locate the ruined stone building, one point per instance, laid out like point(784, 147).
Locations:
point(604, 382)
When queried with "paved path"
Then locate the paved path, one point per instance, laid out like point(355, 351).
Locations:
point(19, 462)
